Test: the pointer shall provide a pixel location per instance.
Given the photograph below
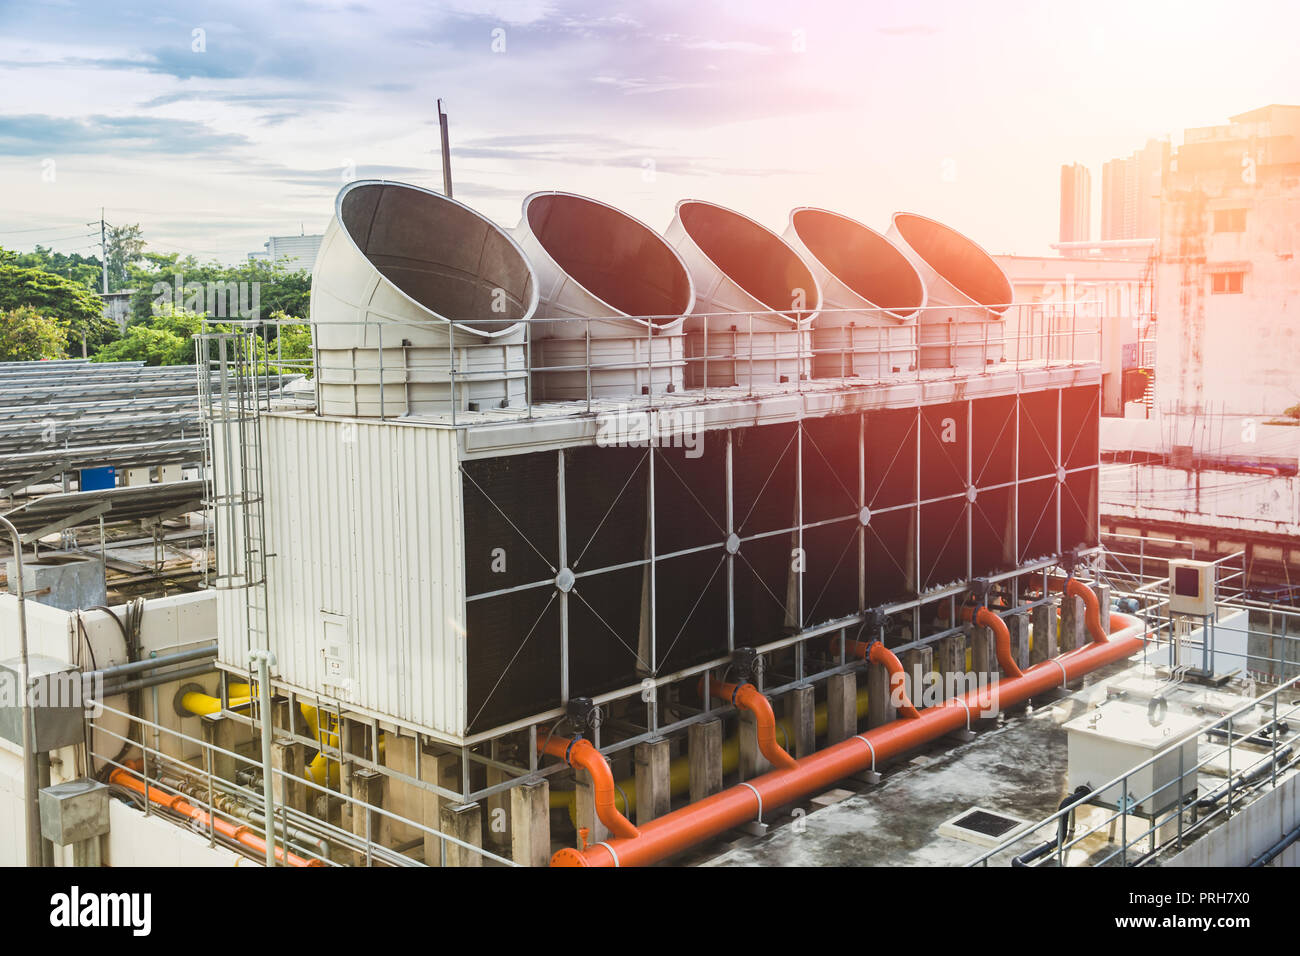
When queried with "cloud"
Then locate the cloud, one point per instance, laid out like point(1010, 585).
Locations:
point(37, 134)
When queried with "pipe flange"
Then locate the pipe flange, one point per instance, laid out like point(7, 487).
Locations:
point(190, 688)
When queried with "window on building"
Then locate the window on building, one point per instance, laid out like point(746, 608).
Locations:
point(1229, 220)
point(1226, 282)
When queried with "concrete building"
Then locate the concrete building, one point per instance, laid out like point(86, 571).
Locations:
point(1110, 295)
point(1219, 457)
point(117, 306)
point(1076, 203)
point(293, 251)
point(1130, 193)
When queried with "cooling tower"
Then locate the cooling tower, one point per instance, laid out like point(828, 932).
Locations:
point(746, 277)
point(595, 262)
point(416, 306)
point(871, 296)
point(967, 292)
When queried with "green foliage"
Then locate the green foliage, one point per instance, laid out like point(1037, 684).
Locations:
point(266, 287)
point(83, 270)
point(78, 310)
point(125, 247)
point(26, 335)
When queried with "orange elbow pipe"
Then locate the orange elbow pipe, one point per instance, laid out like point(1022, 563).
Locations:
point(748, 697)
point(674, 832)
point(1091, 606)
point(876, 653)
point(175, 802)
point(1001, 637)
point(580, 753)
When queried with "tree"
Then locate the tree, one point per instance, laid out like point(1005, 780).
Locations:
point(83, 270)
point(125, 247)
point(77, 310)
point(26, 335)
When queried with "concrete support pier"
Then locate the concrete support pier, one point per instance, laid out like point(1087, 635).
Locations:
point(704, 741)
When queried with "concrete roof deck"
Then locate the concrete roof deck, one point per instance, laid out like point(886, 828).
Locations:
point(1017, 768)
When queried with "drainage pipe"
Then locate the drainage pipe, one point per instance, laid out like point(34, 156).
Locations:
point(748, 697)
point(580, 753)
point(264, 659)
point(677, 831)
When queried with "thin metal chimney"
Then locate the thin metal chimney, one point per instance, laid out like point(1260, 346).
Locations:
point(595, 262)
point(417, 304)
point(871, 296)
point(746, 278)
point(968, 293)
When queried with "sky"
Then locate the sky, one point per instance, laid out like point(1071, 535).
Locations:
point(216, 125)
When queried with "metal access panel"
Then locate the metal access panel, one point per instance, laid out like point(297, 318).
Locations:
point(57, 709)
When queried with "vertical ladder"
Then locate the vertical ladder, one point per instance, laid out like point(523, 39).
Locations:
point(233, 401)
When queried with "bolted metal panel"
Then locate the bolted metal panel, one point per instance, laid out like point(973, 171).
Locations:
point(595, 262)
point(871, 296)
point(416, 305)
point(367, 559)
point(967, 293)
point(747, 279)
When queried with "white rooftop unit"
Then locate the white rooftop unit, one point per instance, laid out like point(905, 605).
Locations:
point(594, 262)
point(417, 305)
point(968, 294)
point(755, 299)
point(871, 296)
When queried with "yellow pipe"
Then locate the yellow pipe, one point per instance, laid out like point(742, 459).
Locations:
point(679, 771)
point(200, 705)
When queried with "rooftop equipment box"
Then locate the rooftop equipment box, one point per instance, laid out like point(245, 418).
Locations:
point(1116, 737)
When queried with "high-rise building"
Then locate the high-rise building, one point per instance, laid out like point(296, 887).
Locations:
point(1076, 203)
point(294, 252)
point(1130, 193)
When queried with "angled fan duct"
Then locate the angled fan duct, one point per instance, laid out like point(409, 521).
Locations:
point(417, 306)
point(612, 295)
point(746, 278)
point(871, 296)
point(968, 294)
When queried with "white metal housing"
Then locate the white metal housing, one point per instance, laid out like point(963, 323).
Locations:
point(416, 306)
point(871, 296)
point(746, 278)
point(596, 262)
point(967, 292)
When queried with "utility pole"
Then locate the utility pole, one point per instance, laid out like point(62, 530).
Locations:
point(103, 250)
point(446, 151)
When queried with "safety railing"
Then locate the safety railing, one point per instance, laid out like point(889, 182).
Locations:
point(1252, 761)
point(1026, 336)
point(235, 799)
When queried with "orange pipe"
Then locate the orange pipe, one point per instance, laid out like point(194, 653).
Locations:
point(1001, 637)
point(241, 834)
point(748, 697)
point(1092, 608)
point(1091, 604)
point(580, 753)
point(677, 831)
point(876, 653)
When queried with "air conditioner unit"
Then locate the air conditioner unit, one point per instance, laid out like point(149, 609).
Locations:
point(1191, 587)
